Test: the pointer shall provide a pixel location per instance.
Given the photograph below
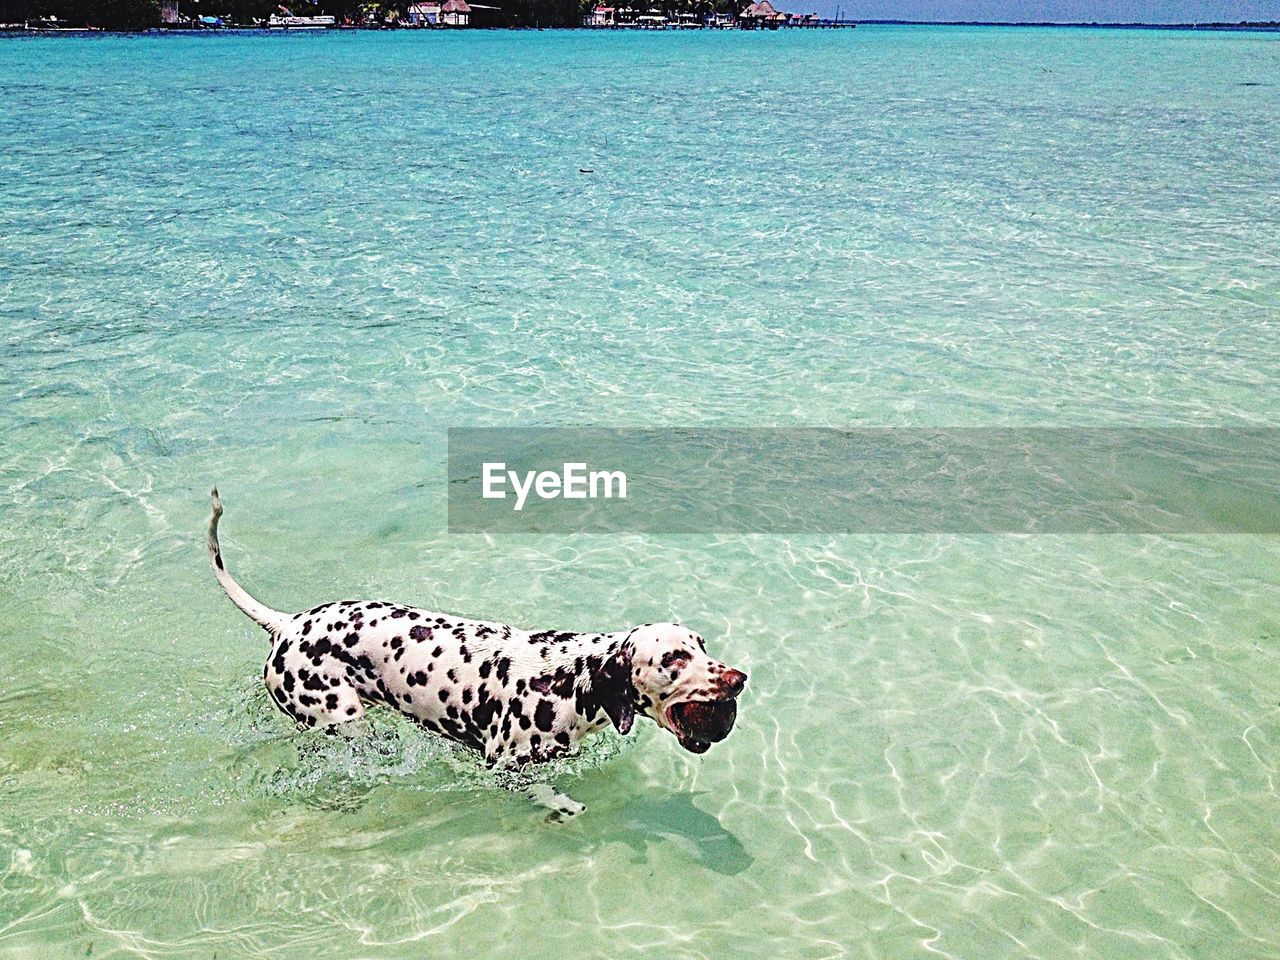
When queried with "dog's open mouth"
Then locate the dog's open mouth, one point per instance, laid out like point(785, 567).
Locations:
point(699, 723)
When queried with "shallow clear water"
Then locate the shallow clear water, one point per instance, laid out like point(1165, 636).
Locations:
point(287, 264)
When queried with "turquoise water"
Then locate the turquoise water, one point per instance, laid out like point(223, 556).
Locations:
point(288, 264)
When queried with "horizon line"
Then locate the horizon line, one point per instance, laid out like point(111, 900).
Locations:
point(1130, 24)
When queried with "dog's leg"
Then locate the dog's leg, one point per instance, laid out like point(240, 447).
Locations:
point(318, 697)
point(561, 805)
point(541, 792)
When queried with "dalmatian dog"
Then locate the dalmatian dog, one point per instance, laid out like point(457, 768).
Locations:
point(517, 697)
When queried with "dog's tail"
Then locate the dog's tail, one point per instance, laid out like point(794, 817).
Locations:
point(259, 613)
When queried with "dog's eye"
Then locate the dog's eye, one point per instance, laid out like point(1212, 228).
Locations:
point(674, 657)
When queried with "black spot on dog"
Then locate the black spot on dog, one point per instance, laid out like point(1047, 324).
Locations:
point(544, 714)
point(559, 684)
point(486, 710)
point(419, 632)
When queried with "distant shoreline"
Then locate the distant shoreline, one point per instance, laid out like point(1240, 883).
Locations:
point(1262, 26)
point(1243, 27)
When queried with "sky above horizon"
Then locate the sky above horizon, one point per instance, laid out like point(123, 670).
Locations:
point(1073, 11)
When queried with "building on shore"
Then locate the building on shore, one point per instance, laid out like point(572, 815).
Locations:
point(761, 15)
point(758, 15)
point(425, 13)
point(455, 13)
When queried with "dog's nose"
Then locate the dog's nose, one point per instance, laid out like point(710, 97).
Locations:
point(734, 681)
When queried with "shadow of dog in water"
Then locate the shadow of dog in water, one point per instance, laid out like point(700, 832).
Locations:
point(648, 820)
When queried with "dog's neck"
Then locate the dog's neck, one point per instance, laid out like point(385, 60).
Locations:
point(590, 670)
point(603, 685)
point(572, 657)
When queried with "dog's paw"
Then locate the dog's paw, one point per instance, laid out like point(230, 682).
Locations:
point(566, 809)
point(562, 807)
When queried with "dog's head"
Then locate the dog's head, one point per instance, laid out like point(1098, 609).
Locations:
point(662, 670)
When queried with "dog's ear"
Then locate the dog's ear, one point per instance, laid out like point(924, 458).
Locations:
point(611, 683)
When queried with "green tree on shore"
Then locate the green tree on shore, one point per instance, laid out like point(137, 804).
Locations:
point(107, 14)
point(141, 14)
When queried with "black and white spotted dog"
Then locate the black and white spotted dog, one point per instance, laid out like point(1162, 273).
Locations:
point(516, 696)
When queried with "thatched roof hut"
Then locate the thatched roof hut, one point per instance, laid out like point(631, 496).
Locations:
point(455, 13)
